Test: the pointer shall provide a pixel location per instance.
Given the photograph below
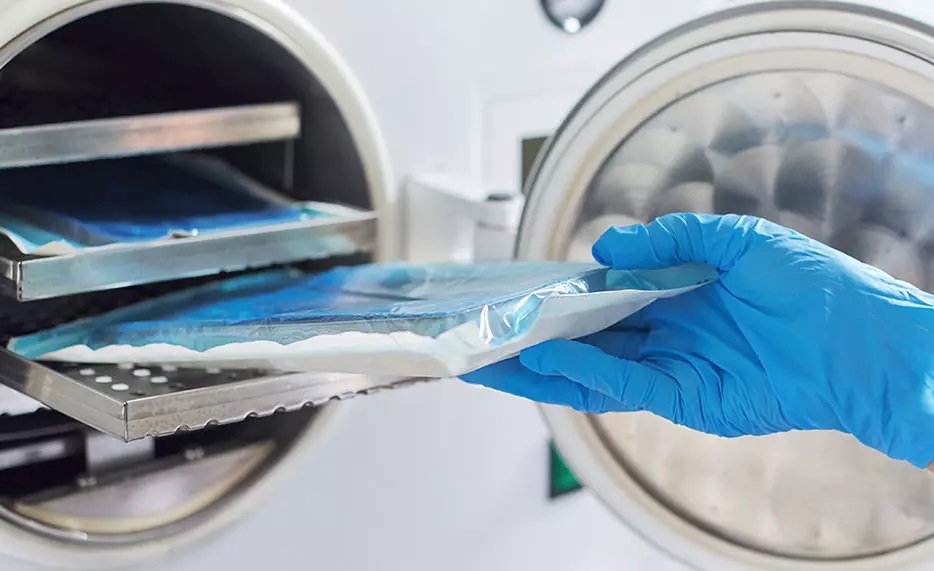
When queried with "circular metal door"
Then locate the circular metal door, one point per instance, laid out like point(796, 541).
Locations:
point(819, 117)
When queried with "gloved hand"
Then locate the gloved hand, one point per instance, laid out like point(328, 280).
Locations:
point(794, 335)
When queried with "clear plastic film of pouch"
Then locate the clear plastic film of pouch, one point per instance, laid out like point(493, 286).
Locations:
point(386, 319)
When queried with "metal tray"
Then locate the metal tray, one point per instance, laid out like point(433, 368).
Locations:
point(346, 232)
point(147, 134)
point(131, 402)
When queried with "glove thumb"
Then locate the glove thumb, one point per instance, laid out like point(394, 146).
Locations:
point(676, 239)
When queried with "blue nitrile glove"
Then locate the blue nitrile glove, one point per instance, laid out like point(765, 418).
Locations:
point(794, 335)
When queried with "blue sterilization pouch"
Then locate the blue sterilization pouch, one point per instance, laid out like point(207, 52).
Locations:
point(137, 199)
point(416, 320)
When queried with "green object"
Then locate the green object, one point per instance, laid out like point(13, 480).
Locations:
point(561, 480)
point(529, 151)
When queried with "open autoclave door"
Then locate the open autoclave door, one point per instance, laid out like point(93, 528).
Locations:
point(808, 114)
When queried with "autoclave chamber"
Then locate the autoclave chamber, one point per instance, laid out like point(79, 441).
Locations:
point(819, 116)
point(250, 89)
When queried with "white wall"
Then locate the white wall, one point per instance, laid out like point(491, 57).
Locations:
point(430, 64)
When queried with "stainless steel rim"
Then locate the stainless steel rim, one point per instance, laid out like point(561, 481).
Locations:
point(877, 45)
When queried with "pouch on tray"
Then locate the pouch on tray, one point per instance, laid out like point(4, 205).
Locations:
point(386, 319)
point(132, 200)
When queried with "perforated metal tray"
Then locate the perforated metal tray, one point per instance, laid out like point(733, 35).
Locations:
point(146, 134)
point(345, 232)
point(131, 402)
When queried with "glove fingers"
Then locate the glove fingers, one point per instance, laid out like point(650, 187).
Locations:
point(511, 377)
point(622, 343)
point(636, 321)
point(623, 380)
point(676, 239)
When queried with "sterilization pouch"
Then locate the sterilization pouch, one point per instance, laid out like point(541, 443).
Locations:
point(384, 319)
point(51, 210)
